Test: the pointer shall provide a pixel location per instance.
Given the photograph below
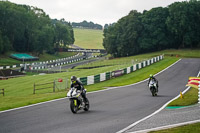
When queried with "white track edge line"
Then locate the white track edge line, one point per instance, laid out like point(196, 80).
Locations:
point(88, 92)
point(166, 127)
point(157, 111)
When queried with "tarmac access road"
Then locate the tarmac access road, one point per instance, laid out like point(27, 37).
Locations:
point(111, 110)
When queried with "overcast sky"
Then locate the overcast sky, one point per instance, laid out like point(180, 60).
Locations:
point(97, 11)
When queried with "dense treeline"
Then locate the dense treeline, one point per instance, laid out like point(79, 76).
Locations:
point(176, 26)
point(29, 29)
point(85, 24)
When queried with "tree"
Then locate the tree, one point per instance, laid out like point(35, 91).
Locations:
point(121, 39)
point(176, 26)
point(29, 29)
point(109, 41)
point(4, 44)
point(155, 34)
point(183, 22)
point(86, 24)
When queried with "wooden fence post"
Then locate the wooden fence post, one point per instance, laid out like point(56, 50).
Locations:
point(54, 86)
point(34, 88)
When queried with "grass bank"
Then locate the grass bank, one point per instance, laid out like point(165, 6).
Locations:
point(189, 98)
point(88, 38)
point(192, 128)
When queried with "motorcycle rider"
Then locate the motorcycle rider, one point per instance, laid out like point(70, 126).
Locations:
point(79, 86)
point(151, 77)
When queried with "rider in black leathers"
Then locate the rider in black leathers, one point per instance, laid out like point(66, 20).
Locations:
point(79, 86)
point(151, 77)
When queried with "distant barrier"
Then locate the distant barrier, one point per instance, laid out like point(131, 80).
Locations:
point(2, 92)
point(108, 75)
point(45, 64)
point(87, 50)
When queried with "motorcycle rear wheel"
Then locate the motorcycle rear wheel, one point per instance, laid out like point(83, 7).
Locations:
point(87, 105)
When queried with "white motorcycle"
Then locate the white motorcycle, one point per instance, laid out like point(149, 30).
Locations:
point(153, 87)
point(76, 100)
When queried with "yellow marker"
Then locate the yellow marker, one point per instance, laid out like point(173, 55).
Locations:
point(181, 95)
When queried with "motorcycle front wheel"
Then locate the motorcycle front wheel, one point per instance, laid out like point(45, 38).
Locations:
point(153, 91)
point(73, 106)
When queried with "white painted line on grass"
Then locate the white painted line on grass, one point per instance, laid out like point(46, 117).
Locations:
point(88, 92)
point(166, 127)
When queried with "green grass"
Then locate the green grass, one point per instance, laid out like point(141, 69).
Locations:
point(189, 98)
point(191, 128)
point(88, 38)
point(19, 91)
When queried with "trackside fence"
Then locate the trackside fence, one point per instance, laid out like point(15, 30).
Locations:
point(108, 75)
point(43, 86)
point(58, 84)
point(2, 92)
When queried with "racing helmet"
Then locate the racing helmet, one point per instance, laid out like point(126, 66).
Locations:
point(73, 79)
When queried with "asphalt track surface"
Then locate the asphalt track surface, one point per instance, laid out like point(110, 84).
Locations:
point(111, 110)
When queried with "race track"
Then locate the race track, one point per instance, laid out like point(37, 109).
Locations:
point(111, 110)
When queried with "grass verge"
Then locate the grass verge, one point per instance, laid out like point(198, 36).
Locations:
point(189, 98)
point(88, 38)
point(191, 128)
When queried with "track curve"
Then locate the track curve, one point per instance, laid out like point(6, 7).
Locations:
point(111, 110)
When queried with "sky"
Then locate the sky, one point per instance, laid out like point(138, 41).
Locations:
point(98, 11)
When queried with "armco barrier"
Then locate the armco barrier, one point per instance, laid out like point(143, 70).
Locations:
point(108, 75)
point(97, 78)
